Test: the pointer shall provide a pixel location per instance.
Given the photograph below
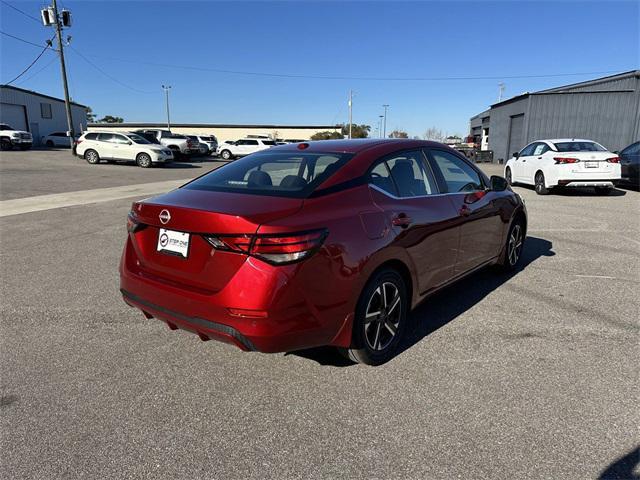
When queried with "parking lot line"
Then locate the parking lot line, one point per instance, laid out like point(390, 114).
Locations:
point(69, 199)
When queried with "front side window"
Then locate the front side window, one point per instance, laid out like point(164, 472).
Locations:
point(139, 139)
point(565, 147)
point(6, 127)
point(283, 174)
point(268, 142)
point(45, 110)
point(250, 142)
point(457, 174)
point(120, 139)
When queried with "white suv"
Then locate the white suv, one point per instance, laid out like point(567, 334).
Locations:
point(565, 162)
point(121, 146)
point(244, 147)
point(10, 137)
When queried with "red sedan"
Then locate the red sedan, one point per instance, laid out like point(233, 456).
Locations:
point(319, 243)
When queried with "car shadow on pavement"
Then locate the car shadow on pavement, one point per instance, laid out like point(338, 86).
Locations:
point(444, 306)
point(623, 467)
point(578, 192)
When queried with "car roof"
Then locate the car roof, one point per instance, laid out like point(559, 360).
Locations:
point(357, 145)
point(559, 140)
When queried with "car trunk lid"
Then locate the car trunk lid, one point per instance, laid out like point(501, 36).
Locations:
point(196, 212)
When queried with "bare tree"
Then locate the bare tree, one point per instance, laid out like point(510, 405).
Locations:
point(397, 133)
point(434, 134)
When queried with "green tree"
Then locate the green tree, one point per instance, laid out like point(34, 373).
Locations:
point(111, 119)
point(91, 117)
point(327, 135)
point(398, 134)
point(357, 131)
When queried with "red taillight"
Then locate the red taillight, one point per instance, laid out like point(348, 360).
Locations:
point(565, 160)
point(78, 141)
point(274, 249)
point(613, 160)
point(133, 225)
point(303, 146)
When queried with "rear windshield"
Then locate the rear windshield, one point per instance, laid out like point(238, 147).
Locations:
point(579, 147)
point(281, 174)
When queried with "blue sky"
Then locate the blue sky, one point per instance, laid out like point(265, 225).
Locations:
point(344, 39)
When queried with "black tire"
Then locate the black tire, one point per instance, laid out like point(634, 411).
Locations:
point(144, 160)
point(226, 155)
point(514, 244)
point(92, 157)
point(5, 144)
point(603, 190)
point(540, 186)
point(49, 144)
point(374, 341)
point(177, 155)
point(508, 177)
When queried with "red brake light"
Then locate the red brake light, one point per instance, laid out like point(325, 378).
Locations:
point(303, 146)
point(133, 224)
point(613, 160)
point(274, 249)
point(565, 160)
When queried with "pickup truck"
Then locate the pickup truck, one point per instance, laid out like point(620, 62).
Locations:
point(179, 144)
point(10, 137)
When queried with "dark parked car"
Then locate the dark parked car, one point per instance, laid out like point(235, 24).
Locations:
point(630, 165)
point(319, 243)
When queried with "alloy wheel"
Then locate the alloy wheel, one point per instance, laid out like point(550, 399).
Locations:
point(382, 316)
point(539, 182)
point(515, 245)
point(91, 156)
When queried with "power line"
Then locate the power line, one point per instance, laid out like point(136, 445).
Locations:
point(332, 77)
point(23, 40)
point(21, 11)
point(32, 63)
point(47, 65)
point(106, 74)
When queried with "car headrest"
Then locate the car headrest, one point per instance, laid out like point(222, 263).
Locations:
point(258, 178)
point(293, 181)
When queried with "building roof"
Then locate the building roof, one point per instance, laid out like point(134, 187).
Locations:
point(163, 126)
point(572, 86)
point(49, 97)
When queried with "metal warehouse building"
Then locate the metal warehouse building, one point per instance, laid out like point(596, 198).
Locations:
point(38, 113)
point(606, 110)
point(225, 131)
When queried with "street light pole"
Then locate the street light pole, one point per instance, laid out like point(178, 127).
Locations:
point(384, 134)
point(380, 117)
point(166, 89)
point(350, 111)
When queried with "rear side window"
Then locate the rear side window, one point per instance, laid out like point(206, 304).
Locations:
point(579, 147)
point(540, 149)
point(105, 137)
point(405, 175)
point(91, 136)
point(283, 174)
point(268, 142)
point(457, 174)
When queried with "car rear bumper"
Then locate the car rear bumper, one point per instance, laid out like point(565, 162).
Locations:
point(261, 308)
point(588, 183)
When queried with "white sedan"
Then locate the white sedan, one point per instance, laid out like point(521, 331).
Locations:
point(57, 139)
point(571, 162)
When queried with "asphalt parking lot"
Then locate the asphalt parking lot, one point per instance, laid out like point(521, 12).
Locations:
point(533, 375)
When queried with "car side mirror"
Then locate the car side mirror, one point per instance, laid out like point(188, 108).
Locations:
point(516, 154)
point(498, 184)
point(616, 152)
point(129, 142)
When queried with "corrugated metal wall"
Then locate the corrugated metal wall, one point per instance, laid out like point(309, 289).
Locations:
point(43, 126)
point(500, 125)
point(607, 118)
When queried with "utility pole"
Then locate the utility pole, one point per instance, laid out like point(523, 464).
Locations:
point(166, 89)
point(384, 131)
point(500, 91)
point(380, 117)
point(350, 111)
point(50, 17)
